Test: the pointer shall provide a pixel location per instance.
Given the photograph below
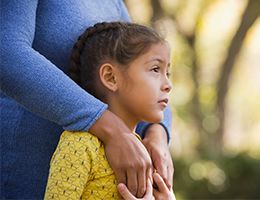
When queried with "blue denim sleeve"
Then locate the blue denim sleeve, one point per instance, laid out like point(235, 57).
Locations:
point(166, 123)
point(124, 15)
point(32, 80)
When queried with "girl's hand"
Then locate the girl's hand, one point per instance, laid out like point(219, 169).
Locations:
point(127, 156)
point(124, 192)
point(162, 192)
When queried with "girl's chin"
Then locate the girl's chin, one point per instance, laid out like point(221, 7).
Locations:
point(156, 118)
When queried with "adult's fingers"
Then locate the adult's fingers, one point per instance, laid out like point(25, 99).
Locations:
point(136, 178)
point(141, 177)
point(132, 183)
point(170, 171)
point(121, 176)
point(123, 150)
point(161, 168)
point(149, 173)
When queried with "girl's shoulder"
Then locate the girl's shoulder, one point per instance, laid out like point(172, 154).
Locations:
point(79, 138)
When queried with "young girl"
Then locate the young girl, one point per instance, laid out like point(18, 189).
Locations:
point(125, 65)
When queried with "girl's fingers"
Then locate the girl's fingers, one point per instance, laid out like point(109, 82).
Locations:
point(149, 191)
point(124, 192)
point(156, 193)
point(162, 187)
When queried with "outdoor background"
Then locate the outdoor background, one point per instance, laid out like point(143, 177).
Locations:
point(216, 93)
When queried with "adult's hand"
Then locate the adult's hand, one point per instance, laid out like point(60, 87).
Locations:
point(127, 156)
point(124, 192)
point(155, 142)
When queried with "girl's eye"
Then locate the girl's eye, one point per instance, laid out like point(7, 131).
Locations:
point(156, 69)
point(168, 74)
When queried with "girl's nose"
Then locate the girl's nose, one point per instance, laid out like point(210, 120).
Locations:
point(167, 86)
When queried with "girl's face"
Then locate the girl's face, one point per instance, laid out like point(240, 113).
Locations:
point(143, 89)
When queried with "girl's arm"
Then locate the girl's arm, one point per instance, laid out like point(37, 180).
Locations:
point(70, 167)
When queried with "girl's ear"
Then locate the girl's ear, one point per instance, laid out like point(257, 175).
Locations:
point(107, 74)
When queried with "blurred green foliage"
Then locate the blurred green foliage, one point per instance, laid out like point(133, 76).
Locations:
point(225, 178)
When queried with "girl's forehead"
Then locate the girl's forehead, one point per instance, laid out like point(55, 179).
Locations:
point(160, 51)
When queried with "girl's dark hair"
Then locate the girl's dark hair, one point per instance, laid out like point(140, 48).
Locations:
point(120, 42)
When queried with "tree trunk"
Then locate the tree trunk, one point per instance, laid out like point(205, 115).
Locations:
point(249, 17)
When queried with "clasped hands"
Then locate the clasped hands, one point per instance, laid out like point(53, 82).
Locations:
point(161, 192)
point(135, 172)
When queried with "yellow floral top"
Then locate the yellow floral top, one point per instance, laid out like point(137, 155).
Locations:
point(79, 169)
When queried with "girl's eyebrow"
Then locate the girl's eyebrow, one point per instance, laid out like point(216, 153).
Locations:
point(158, 60)
point(155, 59)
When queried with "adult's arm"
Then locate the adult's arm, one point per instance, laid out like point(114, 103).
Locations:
point(166, 124)
point(155, 138)
point(35, 82)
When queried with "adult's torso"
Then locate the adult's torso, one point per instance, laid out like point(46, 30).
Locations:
point(59, 23)
point(28, 141)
